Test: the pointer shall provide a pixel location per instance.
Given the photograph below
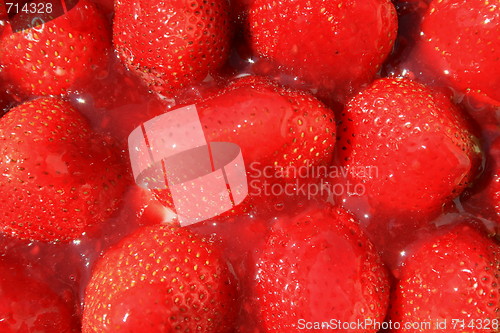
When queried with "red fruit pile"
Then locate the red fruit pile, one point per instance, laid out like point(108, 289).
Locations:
point(369, 131)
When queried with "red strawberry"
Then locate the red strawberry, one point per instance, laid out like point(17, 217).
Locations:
point(417, 144)
point(461, 40)
point(160, 279)
point(274, 126)
point(335, 45)
point(276, 129)
point(453, 277)
point(318, 266)
point(51, 58)
point(58, 178)
point(28, 305)
point(171, 44)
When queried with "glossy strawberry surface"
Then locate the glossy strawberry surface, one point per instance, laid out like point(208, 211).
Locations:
point(58, 177)
point(51, 58)
point(277, 129)
point(333, 45)
point(273, 125)
point(160, 279)
point(318, 266)
point(284, 260)
point(171, 44)
point(461, 40)
point(452, 279)
point(417, 143)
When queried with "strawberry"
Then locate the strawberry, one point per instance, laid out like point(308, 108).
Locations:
point(316, 266)
point(334, 45)
point(171, 44)
point(461, 40)
point(451, 278)
point(160, 279)
point(28, 305)
point(273, 125)
point(51, 58)
point(58, 178)
point(417, 144)
point(276, 128)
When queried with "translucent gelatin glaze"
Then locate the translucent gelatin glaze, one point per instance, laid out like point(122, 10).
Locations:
point(293, 257)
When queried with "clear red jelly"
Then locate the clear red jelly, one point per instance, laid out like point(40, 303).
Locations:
point(118, 103)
